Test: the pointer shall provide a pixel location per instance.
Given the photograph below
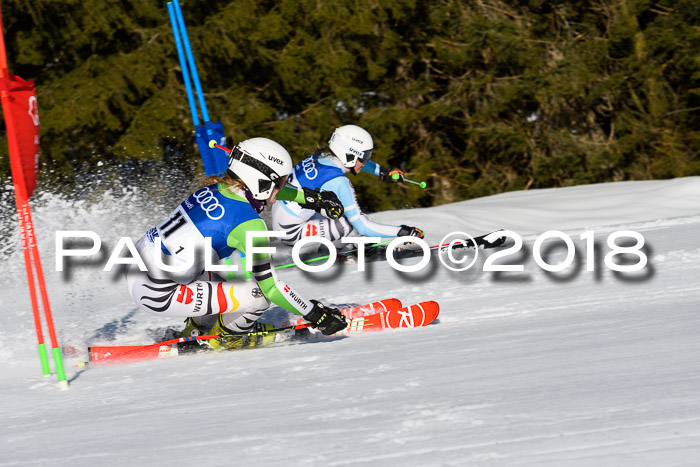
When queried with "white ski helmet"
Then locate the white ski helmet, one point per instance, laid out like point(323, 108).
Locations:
point(261, 164)
point(350, 143)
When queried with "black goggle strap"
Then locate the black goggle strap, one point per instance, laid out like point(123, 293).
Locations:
point(263, 185)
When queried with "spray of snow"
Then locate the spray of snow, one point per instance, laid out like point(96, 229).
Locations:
point(532, 368)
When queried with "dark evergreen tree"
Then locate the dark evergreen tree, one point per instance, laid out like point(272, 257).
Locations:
point(474, 97)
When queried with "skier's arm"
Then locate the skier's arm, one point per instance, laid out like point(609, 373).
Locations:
point(274, 290)
point(372, 167)
point(386, 175)
point(289, 193)
point(363, 224)
point(325, 203)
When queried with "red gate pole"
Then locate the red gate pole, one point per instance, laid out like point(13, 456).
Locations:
point(27, 229)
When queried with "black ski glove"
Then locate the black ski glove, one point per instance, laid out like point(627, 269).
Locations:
point(325, 203)
point(406, 231)
point(392, 176)
point(328, 320)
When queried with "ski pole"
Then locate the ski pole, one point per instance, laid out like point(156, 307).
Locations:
point(112, 354)
point(319, 258)
point(179, 340)
point(420, 184)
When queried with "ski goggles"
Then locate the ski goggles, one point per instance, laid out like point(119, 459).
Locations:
point(364, 156)
point(264, 185)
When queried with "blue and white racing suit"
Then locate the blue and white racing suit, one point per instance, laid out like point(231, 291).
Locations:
point(217, 219)
point(325, 171)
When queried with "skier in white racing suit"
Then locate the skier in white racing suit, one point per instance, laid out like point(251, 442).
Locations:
point(223, 213)
point(349, 151)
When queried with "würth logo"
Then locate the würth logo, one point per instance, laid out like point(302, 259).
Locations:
point(311, 230)
point(185, 295)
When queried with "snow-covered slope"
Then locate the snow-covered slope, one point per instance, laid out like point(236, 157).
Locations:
point(573, 368)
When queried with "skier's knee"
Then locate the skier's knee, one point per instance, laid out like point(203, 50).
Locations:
point(260, 302)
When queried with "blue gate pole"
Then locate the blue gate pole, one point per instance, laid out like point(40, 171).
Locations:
point(190, 60)
point(183, 65)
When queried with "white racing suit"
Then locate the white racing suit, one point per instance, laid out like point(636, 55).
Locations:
point(325, 172)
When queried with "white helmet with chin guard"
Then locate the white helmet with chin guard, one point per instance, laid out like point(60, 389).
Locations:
point(261, 164)
point(351, 143)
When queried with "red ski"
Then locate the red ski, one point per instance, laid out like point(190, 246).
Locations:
point(170, 348)
point(130, 353)
point(387, 305)
point(420, 314)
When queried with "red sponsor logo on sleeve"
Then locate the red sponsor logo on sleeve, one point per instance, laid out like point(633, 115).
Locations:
point(184, 295)
point(311, 230)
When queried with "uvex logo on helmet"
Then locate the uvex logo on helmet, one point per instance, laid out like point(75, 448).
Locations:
point(358, 141)
point(275, 160)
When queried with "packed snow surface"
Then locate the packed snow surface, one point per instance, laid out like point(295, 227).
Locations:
point(576, 367)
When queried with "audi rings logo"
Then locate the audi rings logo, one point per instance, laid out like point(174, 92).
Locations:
point(309, 168)
point(209, 204)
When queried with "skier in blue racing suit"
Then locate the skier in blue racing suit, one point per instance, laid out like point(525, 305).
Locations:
point(349, 151)
point(218, 218)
